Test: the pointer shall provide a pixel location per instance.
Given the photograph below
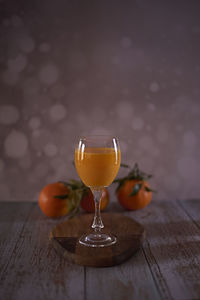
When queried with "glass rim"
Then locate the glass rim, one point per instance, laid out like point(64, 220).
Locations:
point(93, 136)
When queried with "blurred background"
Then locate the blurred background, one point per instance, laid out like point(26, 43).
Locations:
point(126, 68)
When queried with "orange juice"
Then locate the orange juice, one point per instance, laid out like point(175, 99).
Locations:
point(97, 167)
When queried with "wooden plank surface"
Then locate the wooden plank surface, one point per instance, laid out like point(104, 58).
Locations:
point(192, 209)
point(12, 220)
point(172, 249)
point(34, 270)
point(131, 280)
point(167, 267)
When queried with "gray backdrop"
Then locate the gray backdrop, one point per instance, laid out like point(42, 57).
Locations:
point(126, 68)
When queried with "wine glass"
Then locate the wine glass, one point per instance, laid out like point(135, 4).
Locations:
point(97, 161)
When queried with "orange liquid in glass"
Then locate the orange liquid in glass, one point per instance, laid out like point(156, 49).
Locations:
point(97, 167)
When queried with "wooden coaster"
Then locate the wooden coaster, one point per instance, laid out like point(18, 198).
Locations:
point(130, 235)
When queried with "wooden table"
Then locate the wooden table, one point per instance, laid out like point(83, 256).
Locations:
point(166, 267)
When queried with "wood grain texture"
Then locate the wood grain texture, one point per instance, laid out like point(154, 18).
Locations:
point(172, 249)
point(13, 217)
point(131, 280)
point(129, 233)
point(167, 266)
point(34, 270)
point(192, 209)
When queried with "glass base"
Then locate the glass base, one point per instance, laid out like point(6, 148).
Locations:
point(97, 240)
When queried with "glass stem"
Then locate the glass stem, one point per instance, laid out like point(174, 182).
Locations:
point(97, 224)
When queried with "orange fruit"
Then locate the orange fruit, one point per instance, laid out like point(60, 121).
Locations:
point(53, 200)
point(87, 201)
point(137, 201)
point(133, 191)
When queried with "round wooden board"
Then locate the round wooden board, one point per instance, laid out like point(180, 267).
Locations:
point(130, 235)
